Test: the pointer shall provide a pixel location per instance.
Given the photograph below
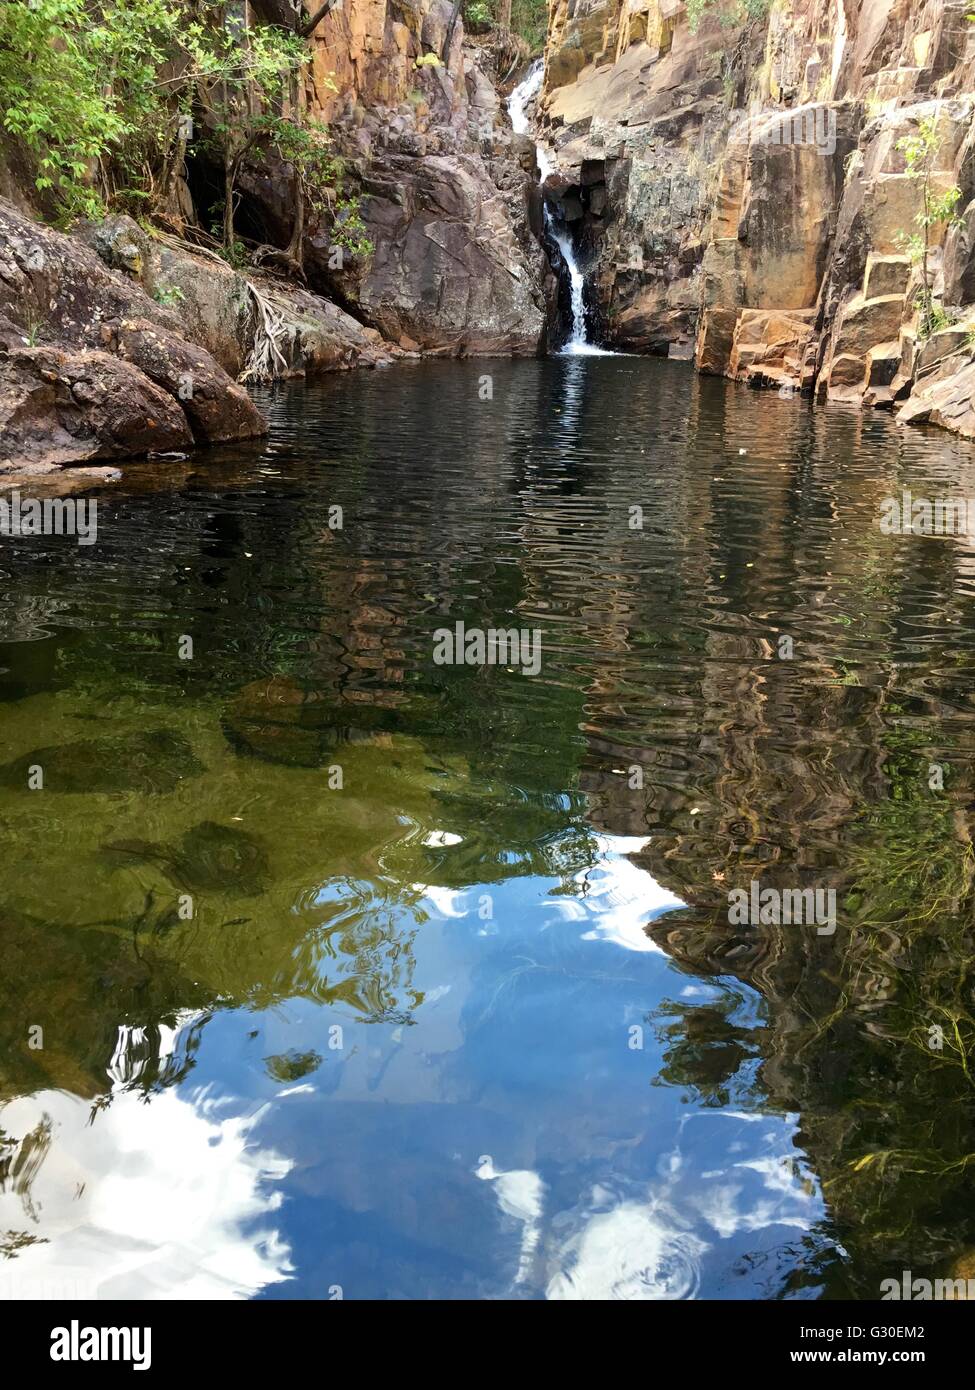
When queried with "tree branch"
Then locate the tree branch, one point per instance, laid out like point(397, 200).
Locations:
point(307, 29)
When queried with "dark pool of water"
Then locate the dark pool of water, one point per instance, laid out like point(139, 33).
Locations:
point(361, 975)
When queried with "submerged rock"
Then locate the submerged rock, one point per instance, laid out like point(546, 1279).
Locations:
point(292, 1066)
point(277, 720)
point(149, 763)
point(208, 857)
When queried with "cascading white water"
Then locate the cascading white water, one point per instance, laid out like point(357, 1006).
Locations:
point(529, 87)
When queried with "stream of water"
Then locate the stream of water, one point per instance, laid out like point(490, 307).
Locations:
point(577, 343)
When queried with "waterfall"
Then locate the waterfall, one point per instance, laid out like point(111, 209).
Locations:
point(526, 91)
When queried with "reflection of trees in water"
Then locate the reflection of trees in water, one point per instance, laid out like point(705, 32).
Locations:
point(361, 952)
point(80, 984)
point(813, 772)
point(20, 1161)
point(889, 1126)
point(661, 653)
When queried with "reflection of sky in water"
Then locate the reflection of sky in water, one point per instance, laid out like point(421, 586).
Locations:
point(142, 1200)
point(510, 1143)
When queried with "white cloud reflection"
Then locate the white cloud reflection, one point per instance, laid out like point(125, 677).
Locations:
point(132, 1197)
point(619, 897)
point(628, 1241)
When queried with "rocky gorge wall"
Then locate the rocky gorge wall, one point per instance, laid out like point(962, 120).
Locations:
point(429, 153)
point(100, 330)
point(739, 192)
point(743, 194)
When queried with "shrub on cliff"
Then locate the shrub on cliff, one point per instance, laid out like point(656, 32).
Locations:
point(727, 12)
point(526, 18)
point(103, 94)
point(76, 84)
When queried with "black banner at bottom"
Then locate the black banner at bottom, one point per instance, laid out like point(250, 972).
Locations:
point(169, 1338)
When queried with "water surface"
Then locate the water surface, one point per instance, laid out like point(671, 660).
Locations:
point(474, 1024)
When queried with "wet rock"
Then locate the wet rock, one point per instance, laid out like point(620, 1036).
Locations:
point(149, 763)
point(208, 858)
point(440, 191)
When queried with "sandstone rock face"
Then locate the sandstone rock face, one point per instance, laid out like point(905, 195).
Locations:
point(769, 347)
point(447, 271)
point(949, 403)
point(430, 157)
point(755, 198)
point(60, 407)
point(61, 307)
point(216, 307)
point(636, 113)
point(869, 296)
point(773, 226)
